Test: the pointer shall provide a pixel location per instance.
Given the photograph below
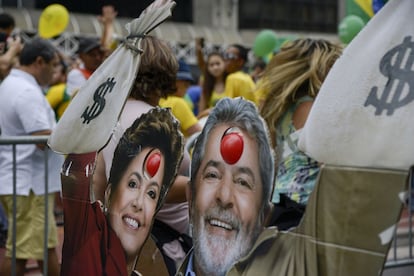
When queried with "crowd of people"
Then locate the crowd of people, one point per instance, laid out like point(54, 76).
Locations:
point(243, 199)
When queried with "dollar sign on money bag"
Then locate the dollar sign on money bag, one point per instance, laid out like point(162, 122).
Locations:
point(91, 112)
point(397, 65)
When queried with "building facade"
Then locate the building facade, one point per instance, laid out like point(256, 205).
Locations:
point(220, 22)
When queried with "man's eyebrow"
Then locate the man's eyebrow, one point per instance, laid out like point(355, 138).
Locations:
point(248, 171)
point(212, 163)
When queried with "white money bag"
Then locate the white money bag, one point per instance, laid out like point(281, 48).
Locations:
point(89, 120)
point(364, 113)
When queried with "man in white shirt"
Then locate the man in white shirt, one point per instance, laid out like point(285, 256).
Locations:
point(91, 54)
point(24, 110)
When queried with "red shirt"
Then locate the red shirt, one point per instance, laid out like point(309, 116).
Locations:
point(90, 246)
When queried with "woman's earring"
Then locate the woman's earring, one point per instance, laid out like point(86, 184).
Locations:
point(103, 207)
point(106, 199)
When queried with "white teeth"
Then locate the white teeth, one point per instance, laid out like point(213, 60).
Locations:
point(131, 222)
point(221, 224)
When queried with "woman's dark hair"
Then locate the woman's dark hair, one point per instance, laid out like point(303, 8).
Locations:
point(157, 70)
point(158, 129)
point(209, 80)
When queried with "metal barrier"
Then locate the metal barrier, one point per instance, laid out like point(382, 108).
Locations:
point(14, 141)
point(401, 252)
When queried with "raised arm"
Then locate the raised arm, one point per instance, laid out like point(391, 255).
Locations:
point(76, 176)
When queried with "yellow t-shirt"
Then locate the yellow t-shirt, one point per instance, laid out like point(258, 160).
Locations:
point(58, 98)
point(240, 84)
point(215, 97)
point(181, 111)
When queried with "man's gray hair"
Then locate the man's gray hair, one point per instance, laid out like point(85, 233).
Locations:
point(243, 114)
point(37, 47)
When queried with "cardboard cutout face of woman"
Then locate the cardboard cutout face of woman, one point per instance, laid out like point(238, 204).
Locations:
point(132, 205)
point(144, 166)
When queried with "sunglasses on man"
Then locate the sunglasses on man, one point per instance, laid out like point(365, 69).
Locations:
point(230, 56)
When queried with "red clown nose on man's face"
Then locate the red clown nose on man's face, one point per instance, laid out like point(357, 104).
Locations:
point(231, 146)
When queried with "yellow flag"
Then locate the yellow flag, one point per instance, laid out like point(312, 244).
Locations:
point(366, 6)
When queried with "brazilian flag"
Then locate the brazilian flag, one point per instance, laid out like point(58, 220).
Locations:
point(364, 8)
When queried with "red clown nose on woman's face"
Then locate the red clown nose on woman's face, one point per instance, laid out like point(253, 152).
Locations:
point(153, 163)
point(231, 146)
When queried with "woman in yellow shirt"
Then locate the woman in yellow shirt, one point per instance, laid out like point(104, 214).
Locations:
point(213, 83)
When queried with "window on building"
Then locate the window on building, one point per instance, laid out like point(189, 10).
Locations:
point(289, 15)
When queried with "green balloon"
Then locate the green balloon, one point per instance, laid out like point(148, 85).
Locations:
point(264, 43)
point(281, 41)
point(349, 27)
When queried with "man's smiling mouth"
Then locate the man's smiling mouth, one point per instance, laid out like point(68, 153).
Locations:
point(218, 223)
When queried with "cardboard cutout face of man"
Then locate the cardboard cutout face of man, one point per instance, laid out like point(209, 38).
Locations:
point(226, 205)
